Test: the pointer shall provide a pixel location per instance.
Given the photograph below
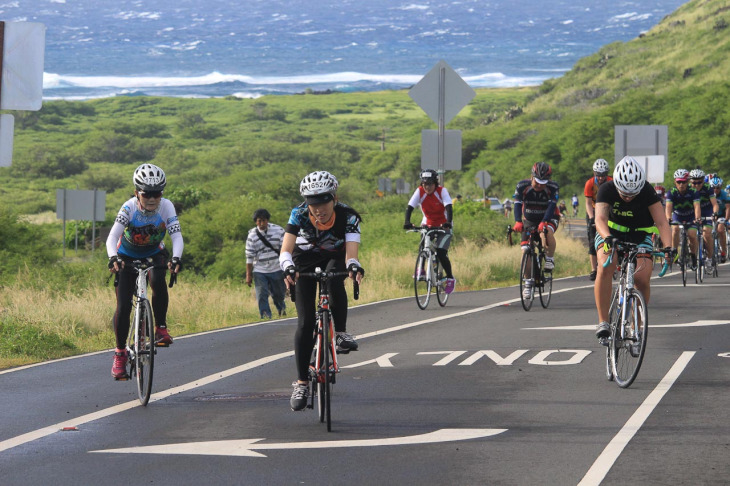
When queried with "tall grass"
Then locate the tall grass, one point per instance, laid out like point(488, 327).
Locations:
point(39, 323)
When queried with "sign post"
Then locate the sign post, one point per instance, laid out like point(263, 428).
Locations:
point(484, 180)
point(81, 206)
point(442, 94)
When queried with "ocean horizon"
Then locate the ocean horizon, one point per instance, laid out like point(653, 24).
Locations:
point(103, 48)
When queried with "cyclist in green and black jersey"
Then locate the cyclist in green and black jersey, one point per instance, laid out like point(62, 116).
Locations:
point(627, 209)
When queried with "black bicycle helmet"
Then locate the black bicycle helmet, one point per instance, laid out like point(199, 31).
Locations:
point(541, 171)
point(430, 175)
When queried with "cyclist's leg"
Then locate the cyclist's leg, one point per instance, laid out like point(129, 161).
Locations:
point(549, 242)
point(604, 279)
point(675, 237)
point(306, 296)
point(338, 307)
point(693, 242)
point(261, 284)
point(124, 290)
point(160, 298)
point(721, 237)
point(591, 230)
point(443, 242)
point(709, 244)
point(642, 272)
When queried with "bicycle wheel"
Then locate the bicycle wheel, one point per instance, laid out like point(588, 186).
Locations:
point(441, 295)
point(546, 283)
point(524, 276)
point(329, 372)
point(422, 279)
point(716, 256)
point(628, 349)
point(613, 319)
point(144, 350)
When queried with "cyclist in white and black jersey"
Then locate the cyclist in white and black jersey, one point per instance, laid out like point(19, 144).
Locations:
point(138, 233)
point(321, 232)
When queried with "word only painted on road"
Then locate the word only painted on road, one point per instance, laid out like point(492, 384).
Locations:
point(548, 357)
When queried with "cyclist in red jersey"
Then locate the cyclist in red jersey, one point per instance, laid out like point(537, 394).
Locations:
point(600, 175)
point(438, 211)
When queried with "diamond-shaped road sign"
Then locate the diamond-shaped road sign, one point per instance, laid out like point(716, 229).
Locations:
point(457, 94)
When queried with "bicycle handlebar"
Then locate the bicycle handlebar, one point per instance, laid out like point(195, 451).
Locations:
point(323, 277)
point(626, 246)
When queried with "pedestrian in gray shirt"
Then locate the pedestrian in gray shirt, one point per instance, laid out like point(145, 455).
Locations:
point(262, 263)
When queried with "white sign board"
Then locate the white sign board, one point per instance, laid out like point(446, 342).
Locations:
point(7, 123)
point(80, 205)
point(457, 94)
point(430, 149)
point(654, 167)
point(641, 140)
point(22, 68)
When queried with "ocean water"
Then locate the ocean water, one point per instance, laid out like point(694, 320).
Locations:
point(248, 48)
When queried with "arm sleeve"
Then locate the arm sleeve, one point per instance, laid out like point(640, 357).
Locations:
point(450, 213)
point(409, 211)
point(177, 244)
point(113, 238)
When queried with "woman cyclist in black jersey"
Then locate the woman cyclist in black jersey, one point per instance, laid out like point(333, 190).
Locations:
point(627, 209)
point(321, 232)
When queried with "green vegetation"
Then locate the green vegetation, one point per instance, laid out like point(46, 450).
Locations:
point(226, 157)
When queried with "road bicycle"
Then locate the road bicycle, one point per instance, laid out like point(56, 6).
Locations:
point(628, 317)
point(532, 269)
point(683, 251)
point(324, 367)
point(141, 347)
point(428, 275)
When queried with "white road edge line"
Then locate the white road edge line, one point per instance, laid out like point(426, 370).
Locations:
point(598, 471)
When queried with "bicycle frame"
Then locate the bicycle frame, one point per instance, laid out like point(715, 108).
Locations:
point(427, 261)
point(141, 339)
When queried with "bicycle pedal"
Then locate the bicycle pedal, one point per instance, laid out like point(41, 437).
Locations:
point(162, 345)
point(122, 378)
point(603, 341)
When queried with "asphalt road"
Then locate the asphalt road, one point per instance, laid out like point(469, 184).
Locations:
point(478, 392)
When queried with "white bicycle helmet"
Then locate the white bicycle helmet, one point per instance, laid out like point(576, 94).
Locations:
point(629, 176)
point(149, 177)
point(681, 175)
point(600, 166)
point(318, 187)
point(697, 174)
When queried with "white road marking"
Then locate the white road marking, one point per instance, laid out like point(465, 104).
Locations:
point(606, 460)
point(245, 447)
point(592, 327)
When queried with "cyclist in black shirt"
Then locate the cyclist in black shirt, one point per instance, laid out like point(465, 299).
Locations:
point(627, 209)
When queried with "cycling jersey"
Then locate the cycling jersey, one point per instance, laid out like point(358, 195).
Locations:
point(683, 210)
point(629, 221)
point(591, 189)
point(432, 205)
point(723, 199)
point(536, 206)
point(315, 247)
point(706, 197)
point(139, 235)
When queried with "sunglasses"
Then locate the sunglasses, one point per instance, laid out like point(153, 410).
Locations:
point(626, 196)
point(151, 194)
point(697, 183)
point(681, 182)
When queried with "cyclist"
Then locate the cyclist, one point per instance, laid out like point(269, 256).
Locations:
point(138, 233)
point(661, 192)
point(627, 209)
point(562, 209)
point(536, 203)
point(574, 202)
point(683, 206)
point(507, 207)
point(723, 213)
point(438, 212)
point(600, 175)
point(708, 207)
point(321, 232)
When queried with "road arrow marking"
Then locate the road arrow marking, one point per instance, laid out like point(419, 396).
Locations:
point(592, 327)
point(245, 447)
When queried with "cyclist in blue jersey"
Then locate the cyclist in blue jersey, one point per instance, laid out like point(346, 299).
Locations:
point(723, 213)
point(708, 207)
point(683, 206)
point(321, 232)
point(138, 233)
